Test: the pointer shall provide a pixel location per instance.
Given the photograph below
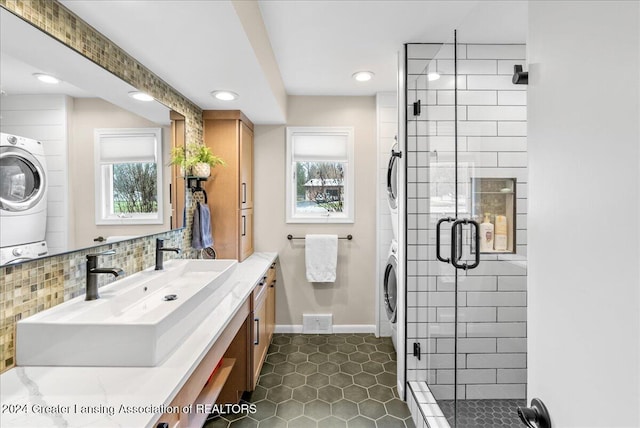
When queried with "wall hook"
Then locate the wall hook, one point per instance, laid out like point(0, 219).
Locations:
point(520, 77)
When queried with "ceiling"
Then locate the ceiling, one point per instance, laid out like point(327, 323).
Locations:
point(24, 50)
point(269, 49)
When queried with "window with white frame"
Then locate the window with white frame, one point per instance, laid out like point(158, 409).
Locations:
point(320, 183)
point(128, 174)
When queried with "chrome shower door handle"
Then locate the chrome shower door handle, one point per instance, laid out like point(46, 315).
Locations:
point(438, 226)
point(456, 245)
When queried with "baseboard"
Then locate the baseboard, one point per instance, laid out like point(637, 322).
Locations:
point(341, 328)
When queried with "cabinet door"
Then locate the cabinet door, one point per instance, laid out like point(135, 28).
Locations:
point(271, 310)
point(271, 300)
point(260, 342)
point(246, 234)
point(246, 167)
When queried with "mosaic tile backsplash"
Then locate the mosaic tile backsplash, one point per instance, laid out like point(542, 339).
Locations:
point(31, 287)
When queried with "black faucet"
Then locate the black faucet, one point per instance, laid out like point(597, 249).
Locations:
point(159, 250)
point(92, 274)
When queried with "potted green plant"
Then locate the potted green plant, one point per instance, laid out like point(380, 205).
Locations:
point(195, 160)
point(179, 158)
point(200, 160)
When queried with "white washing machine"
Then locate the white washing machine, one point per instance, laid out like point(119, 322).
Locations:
point(390, 289)
point(23, 193)
point(392, 186)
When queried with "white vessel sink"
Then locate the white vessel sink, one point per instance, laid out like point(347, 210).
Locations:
point(132, 323)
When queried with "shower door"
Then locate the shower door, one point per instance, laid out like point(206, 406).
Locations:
point(466, 247)
point(435, 203)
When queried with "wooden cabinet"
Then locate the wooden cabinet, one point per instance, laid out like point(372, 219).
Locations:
point(261, 339)
point(246, 234)
point(270, 323)
point(246, 166)
point(229, 134)
point(264, 316)
point(208, 381)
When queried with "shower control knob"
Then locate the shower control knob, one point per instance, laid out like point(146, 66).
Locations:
point(12, 139)
point(17, 252)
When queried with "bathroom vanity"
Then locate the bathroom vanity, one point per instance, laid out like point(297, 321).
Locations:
point(219, 359)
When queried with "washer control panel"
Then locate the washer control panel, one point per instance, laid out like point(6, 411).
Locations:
point(24, 252)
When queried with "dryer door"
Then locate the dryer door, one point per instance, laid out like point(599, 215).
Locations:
point(22, 179)
point(392, 177)
point(391, 288)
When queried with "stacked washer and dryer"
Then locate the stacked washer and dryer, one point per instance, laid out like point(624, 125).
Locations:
point(390, 280)
point(23, 199)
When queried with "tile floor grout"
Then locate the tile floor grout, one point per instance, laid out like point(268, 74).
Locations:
point(338, 380)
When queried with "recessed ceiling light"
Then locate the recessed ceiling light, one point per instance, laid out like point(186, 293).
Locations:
point(363, 76)
point(225, 95)
point(140, 96)
point(46, 78)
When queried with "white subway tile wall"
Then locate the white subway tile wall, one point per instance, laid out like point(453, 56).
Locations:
point(492, 299)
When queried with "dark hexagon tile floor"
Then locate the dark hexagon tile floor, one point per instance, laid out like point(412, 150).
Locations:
point(484, 413)
point(325, 381)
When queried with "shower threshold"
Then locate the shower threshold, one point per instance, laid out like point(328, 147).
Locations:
point(489, 413)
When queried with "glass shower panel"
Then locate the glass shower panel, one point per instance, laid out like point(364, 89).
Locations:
point(432, 196)
point(492, 180)
point(467, 178)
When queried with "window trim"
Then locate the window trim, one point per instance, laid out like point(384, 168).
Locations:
point(348, 214)
point(104, 181)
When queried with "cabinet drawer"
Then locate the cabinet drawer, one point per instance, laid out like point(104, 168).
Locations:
point(259, 292)
point(271, 274)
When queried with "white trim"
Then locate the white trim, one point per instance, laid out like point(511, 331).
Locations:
point(103, 179)
point(340, 329)
point(348, 214)
point(379, 284)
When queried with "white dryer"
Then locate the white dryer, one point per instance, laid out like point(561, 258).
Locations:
point(390, 289)
point(392, 186)
point(23, 191)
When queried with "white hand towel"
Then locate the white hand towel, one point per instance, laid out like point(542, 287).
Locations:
point(321, 257)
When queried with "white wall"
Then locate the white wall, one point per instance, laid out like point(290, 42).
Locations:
point(351, 298)
point(584, 283)
point(89, 114)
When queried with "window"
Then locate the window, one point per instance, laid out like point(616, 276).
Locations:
point(128, 172)
point(320, 175)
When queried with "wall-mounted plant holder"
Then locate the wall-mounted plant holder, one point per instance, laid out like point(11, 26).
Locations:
point(194, 184)
point(493, 206)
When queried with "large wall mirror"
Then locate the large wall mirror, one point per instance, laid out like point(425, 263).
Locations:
point(66, 182)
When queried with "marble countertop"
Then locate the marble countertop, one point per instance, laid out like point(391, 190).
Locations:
point(119, 396)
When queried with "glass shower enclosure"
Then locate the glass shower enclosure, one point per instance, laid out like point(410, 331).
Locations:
point(466, 181)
